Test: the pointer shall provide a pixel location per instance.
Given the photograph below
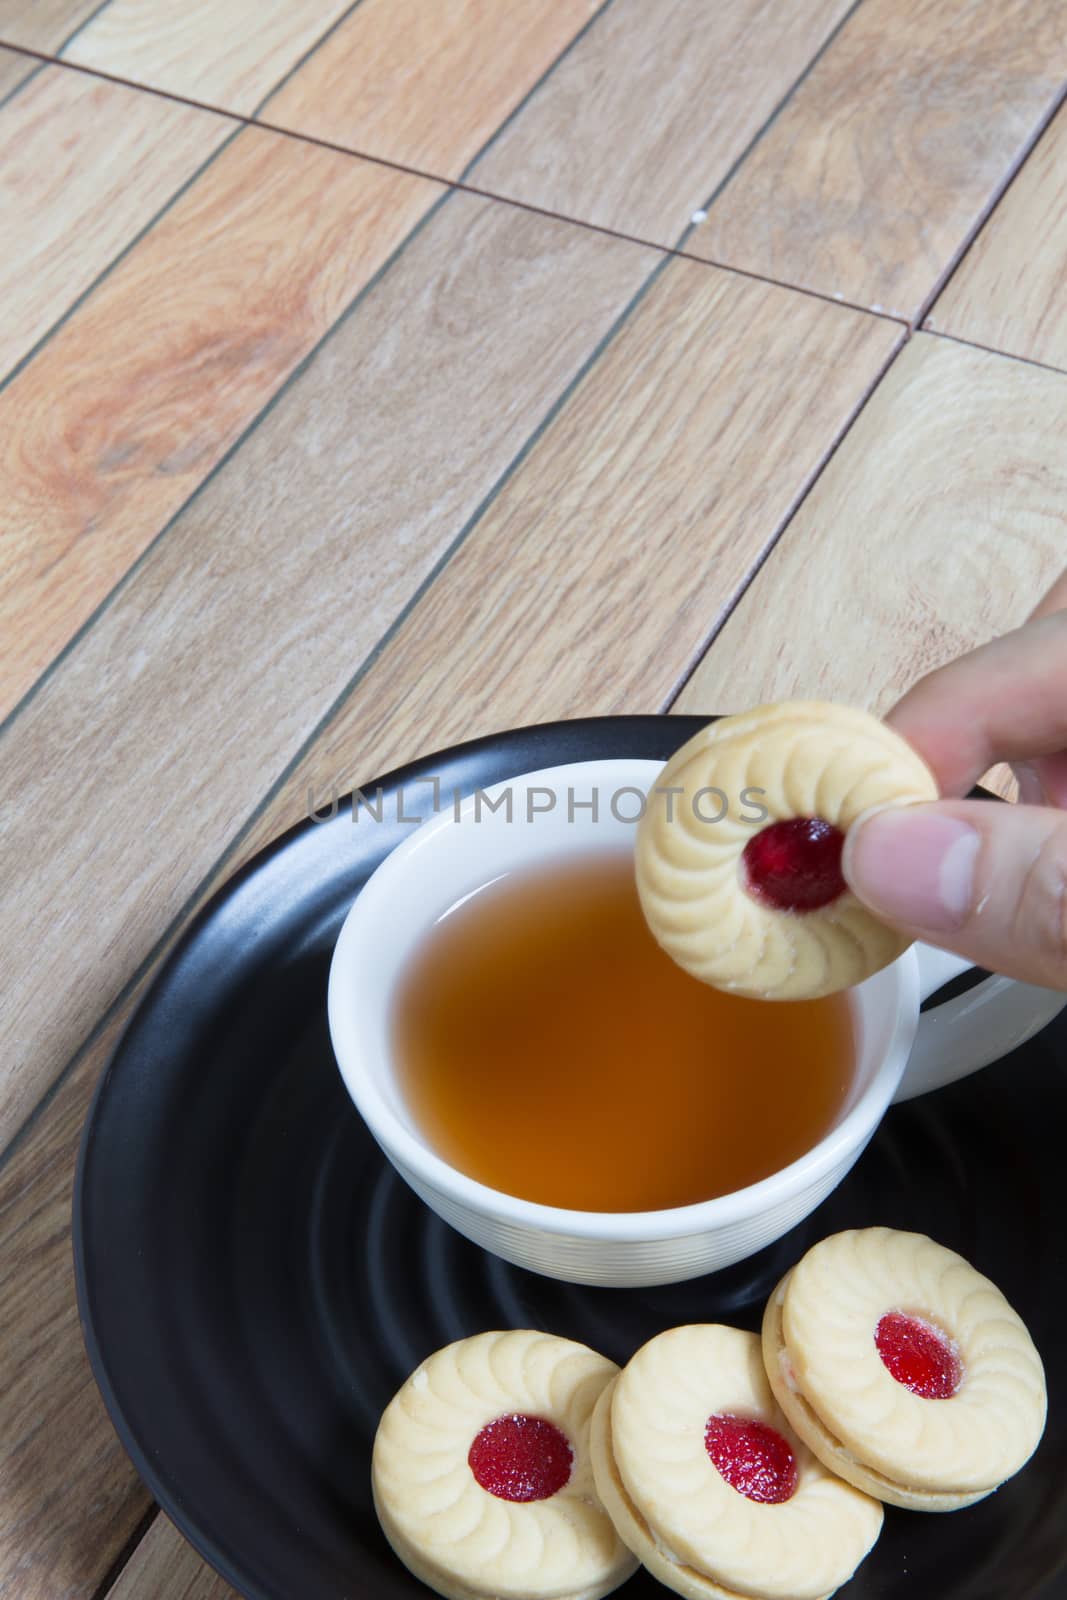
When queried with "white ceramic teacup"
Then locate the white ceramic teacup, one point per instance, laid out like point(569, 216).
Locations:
point(459, 850)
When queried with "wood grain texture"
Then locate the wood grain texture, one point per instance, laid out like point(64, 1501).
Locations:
point(226, 53)
point(425, 85)
point(43, 24)
point(593, 580)
point(166, 1568)
point(126, 409)
point(175, 712)
point(951, 483)
point(69, 1497)
point(1010, 292)
point(645, 116)
point(884, 160)
point(84, 166)
point(14, 69)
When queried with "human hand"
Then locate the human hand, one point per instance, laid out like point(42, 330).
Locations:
point(987, 881)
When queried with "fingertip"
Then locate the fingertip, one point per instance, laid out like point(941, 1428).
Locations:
point(913, 866)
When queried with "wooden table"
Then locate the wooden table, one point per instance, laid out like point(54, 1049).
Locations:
point(378, 375)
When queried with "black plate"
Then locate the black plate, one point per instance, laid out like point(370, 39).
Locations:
point(255, 1282)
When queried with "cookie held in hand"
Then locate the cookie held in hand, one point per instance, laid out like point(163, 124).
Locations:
point(481, 1473)
point(710, 1487)
point(738, 853)
point(903, 1369)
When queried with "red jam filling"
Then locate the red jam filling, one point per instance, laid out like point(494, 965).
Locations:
point(521, 1458)
point(752, 1457)
point(918, 1356)
point(795, 865)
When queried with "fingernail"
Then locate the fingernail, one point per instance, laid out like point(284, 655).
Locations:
point(913, 866)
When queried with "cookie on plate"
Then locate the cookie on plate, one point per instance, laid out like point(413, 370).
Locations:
point(708, 1484)
point(904, 1370)
point(738, 853)
point(481, 1473)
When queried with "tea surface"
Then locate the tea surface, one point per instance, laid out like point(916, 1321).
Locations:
point(548, 1048)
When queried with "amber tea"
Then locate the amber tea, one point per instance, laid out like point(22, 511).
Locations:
point(548, 1048)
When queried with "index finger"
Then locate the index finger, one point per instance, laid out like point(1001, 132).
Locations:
point(1005, 701)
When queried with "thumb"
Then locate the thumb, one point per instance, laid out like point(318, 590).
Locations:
point(987, 881)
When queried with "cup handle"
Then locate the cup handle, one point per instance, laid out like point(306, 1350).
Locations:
point(973, 1029)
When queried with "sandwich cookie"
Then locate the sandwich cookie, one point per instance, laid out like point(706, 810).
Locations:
point(738, 853)
point(708, 1484)
point(481, 1473)
point(904, 1370)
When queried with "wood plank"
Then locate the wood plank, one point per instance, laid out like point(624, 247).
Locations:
point(937, 525)
point(14, 69)
point(640, 122)
point(43, 24)
point(70, 1499)
point(160, 730)
point(593, 580)
point(107, 432)
point(84, 166)
point(167, 1568)
point(226, 53)
point(883, 162)
point(1011, 290)
point(425, 85)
